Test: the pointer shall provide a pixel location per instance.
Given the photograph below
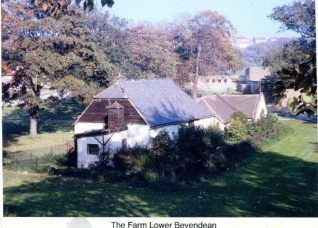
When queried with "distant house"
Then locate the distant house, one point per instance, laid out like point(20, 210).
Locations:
point(253, 77)
point(223, 107)
point(134, 112)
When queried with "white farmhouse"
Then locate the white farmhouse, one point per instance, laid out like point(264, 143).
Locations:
point(134, 112)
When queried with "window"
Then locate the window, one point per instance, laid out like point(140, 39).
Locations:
point(124, 144)
point(92, 149)
point(106, 121)
point(219, 81)
point(225, 80)
point(213, 80)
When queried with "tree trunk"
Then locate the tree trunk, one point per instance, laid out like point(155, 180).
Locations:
point(33, 126)
point(195, 81)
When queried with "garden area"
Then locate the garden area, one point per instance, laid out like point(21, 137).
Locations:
point(277, 179)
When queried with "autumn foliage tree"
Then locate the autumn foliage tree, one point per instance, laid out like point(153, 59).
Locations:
point(61, 7)
point(151, 52)
point(203, 43)
point(294, 66)
point(58, 53)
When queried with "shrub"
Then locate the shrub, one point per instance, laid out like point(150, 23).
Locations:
point(267, 129)
point(162, 154)
point(236, 152)
point(216, 162)
point(213, 139)
point(190, 152)
point(238, 129)
point(71, 158)
point(104, 160)
point(132, 159)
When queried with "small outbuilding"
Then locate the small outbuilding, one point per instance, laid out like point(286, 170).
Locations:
point(223, 107)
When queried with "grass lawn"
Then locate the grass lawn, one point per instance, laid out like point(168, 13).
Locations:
point(280, 181)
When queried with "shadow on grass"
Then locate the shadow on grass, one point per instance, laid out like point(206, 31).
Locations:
point(269, 184)
point(59, 116)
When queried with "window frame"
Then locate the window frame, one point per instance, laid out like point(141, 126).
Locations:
point(89, 147)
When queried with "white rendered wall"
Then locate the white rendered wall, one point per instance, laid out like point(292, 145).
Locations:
point(205, 123)
point(217, 87)
point(85, 127)
point(260, 108)
point(171, 129)
point(135, 135)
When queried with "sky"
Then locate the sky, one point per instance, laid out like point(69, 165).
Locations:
point(249, 17)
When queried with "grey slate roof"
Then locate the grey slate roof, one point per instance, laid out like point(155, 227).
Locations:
point(159, 101)
point(223, 106)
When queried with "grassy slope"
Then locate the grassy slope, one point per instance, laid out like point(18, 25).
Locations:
point(54, 125)
point(282, 181)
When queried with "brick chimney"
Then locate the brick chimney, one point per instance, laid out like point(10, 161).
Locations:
point(115, 116)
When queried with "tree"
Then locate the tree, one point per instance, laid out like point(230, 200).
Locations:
point(110, 34)
point(296, 66)
point(203, 43)
point(162, 152)
point(60, 8)
point(238, 128)
point(298, 16)
point(58, 53)
point(190, 152)
point(151, 53)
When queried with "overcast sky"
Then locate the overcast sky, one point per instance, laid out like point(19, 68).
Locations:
point(248, 16)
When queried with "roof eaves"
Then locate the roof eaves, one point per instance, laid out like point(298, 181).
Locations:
point(83, 112)
point(213, 111)
point(179, 122)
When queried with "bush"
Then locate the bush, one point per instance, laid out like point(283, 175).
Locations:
point(213, 139)
point(267, 129)
point(132, 159)
point(216, 162)
point(162, 154)
point(236, 152)
point(238, 129)
point(71, 158)
point(190, 152)
point(104, 160)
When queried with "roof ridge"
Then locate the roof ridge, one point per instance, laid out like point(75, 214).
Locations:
point(148, 79)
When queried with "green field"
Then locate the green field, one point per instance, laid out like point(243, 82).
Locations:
point(280, 181)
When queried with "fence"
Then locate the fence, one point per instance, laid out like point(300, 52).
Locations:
point(36, 160)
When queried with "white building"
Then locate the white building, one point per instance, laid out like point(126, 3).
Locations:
point(253, 78)
point(134, 112)
point(223, 107)
point(218, 84)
